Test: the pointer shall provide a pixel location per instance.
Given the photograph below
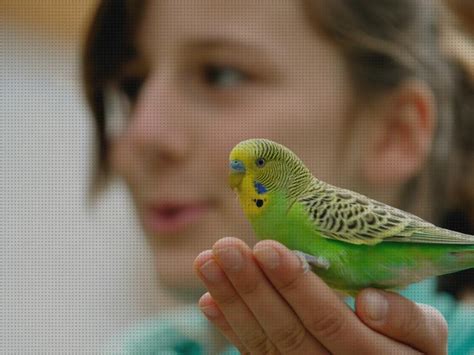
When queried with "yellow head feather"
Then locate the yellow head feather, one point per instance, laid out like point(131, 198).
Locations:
point(260, 167)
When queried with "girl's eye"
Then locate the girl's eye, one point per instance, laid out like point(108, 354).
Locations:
point(131, 87)
point(223, 76)
point(260, 162)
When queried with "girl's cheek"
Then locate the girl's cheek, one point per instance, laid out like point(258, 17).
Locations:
point(120, 157)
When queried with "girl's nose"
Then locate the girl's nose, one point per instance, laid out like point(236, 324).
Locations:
point(158, 131)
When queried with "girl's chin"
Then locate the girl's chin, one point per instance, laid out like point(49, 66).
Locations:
point(174, 267)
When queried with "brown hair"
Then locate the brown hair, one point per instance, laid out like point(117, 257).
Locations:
point(387, 42)
point(108, 46)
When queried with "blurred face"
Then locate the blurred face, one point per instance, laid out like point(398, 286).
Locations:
point(210, 74)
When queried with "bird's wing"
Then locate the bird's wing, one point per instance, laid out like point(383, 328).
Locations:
point(353, 218)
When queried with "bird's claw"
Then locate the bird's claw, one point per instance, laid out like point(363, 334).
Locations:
point(309, 261)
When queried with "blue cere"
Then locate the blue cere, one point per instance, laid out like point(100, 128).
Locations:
point(237, 166)
point(260, 188)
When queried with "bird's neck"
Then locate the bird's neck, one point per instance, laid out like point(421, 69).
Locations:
point(287, 226)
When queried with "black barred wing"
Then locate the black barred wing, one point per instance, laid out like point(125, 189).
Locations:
point(353, 218)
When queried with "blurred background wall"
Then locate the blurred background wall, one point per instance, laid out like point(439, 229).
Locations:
point(70, 277)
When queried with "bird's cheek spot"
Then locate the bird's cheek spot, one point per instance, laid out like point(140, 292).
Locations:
point(258, 202)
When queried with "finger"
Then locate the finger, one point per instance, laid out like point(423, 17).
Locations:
point(236, 312)
point(420, 326)
point(324, 315)
point(216, 317)
point(277, 319)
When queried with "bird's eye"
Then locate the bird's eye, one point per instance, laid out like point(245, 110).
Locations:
point(260, 162)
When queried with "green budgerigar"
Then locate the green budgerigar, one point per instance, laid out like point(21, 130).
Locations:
point(351, 241)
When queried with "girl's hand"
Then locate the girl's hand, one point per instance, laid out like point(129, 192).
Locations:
point(264, 302)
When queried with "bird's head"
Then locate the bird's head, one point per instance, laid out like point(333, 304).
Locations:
point(266, 166)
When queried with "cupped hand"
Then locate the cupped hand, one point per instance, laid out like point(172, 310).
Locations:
point(265, 302)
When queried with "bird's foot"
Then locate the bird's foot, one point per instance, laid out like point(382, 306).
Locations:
point(309, 261)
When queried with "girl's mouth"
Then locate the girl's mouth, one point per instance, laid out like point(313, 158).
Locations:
point(173, 218)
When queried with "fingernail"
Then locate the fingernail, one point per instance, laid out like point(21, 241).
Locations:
point(210, 311)
point(231, 258)
point(376, 305)
point(211, 271)
point(268, 256)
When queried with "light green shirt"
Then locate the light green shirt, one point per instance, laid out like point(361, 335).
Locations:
point(188, 332)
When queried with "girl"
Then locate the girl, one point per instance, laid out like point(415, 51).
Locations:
point(362, 91)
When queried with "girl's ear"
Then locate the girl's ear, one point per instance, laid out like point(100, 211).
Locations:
point(401, 141)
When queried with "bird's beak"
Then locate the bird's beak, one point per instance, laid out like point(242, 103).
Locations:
point(237, 168)
point(235, 179)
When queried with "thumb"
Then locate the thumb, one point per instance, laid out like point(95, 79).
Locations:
point(419, 326)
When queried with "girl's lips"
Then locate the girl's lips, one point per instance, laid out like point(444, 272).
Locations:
point(173, 218)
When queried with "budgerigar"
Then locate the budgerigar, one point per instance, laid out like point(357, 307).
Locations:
point(351, 241)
